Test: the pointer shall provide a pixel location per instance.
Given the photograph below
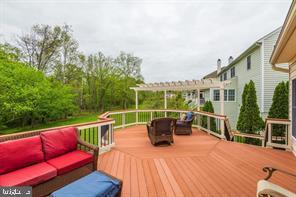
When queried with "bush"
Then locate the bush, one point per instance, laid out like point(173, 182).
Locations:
point(27, 96)
point(280, 107)
point(249, 118)
point(208, 107)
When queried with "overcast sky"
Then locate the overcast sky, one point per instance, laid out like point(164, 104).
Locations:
point(177, 40)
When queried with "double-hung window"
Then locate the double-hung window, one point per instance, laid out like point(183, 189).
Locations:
point(249, 62)
point(225, 76)
point(225, 95)
point(231, 95)
point(216, 95)
point(232, 72)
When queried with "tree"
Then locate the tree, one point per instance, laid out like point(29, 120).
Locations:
point(250, 120)
point(28, 96)
point(280, 101)
point(242, 117)
point(208, 107)
point(69, 56)
point(129, 68)
point(40, 47)
point(280, 106)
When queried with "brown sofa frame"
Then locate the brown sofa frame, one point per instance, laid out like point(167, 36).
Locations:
point(46, 188)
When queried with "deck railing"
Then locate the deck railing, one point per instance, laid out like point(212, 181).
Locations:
point(99, 133)
point(276, 133)
point(209, 122)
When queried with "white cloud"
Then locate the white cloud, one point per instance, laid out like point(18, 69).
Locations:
point(177, 40)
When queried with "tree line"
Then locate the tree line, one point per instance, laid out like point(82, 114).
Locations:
point(45, 77)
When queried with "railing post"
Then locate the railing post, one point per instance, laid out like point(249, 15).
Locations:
point(222, 128)
point(208, 123)
point(151, 116)
point(123, 120)
point(287, 135)
point(137, 117)
point(110, 134)
point(269, 132)
point(198, 120)
point(99, 136)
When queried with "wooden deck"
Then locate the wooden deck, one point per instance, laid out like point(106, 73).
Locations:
point(196, 165)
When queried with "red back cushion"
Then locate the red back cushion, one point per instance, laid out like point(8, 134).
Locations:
point(16, 154)
point(58, 142)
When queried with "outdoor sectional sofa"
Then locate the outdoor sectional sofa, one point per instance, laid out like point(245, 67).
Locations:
point(46, 161)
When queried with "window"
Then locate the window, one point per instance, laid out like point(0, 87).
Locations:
point(249, 62)
point(225, 95)
point(221, 79)
point(231, 95)
point(225, 76)
point(232, 72)
point(216, 95)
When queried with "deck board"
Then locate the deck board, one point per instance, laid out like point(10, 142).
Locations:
point(196, 165)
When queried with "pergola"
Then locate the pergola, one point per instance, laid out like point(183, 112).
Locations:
point(187, 85)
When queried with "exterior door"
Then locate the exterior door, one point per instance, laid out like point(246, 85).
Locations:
point(294, 108)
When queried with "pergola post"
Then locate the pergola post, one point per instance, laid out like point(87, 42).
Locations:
point(222, 110)
point(137, 106)
point(165, 103)
point(198, 99)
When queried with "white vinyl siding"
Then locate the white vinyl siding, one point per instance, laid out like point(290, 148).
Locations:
point(271, 77)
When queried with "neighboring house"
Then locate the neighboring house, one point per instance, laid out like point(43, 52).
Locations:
point(252, 64)
point(285, 53)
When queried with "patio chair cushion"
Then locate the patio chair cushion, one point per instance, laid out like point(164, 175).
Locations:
point(189, 115)
point(70, 161)
point(59, 142)
point(16, 154)
point(94, 184)
point(29, 176)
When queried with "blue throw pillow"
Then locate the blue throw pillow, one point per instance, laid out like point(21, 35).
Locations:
point(189, 115)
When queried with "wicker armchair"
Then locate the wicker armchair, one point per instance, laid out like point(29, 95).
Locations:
point(184, 127)
point(161, 130)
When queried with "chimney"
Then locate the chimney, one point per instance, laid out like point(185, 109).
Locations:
point(230, 59)
point(218, 66)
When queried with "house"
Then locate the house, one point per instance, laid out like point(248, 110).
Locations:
point(285, 54)
point(252, 64)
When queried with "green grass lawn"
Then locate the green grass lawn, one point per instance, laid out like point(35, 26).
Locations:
point(69, 121)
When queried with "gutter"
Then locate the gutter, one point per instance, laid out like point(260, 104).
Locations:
point(280, 69)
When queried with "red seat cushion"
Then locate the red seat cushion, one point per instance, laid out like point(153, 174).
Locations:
point(16, 154)
point(70, 161)
point(29, 176)
point(58, 142)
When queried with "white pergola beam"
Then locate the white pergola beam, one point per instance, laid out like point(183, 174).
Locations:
point(182, 85)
